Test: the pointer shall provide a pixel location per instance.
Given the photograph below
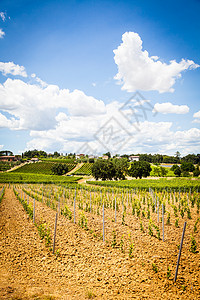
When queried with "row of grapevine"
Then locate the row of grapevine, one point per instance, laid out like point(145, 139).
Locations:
point(41, 168)
point(178, 184)
point(128, 222)
point(85, 169)
point(139, 207)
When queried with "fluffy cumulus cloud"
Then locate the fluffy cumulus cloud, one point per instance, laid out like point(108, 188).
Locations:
point(2, 33)
point(197, 117)
point(137, 70)
point(13, 69)
point(169, 108)
point(36, 106)
point(71, 121)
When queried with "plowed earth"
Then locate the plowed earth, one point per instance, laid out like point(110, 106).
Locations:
point(86, 267)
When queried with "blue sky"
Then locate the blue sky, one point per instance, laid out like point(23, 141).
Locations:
point(68, 67)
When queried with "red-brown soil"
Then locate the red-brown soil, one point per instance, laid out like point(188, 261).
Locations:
point(87, 267)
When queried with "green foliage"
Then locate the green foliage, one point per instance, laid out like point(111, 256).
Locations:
point(5, 165)
point(44, 232)
point(35, 178)
point(187, 166)
point(85, 169)
point(131, 247)
point(168, 218)
point(189, 213)
point(83, 221)
point(150, 228)
point(2, 192)
point(176, 223)
point(41, 167)
point(34, 153)
point(59, 169)
point(154, 267)
point(114, 242)
point(168, 272)
point(159, 171)
point(110, 169)
point(182, 184)
point(123, 218)
point(141, 226)
point(196, 172)
point(66, 212)
point(122, 244)
point(193, 247)
point(195, 225)
point(177, 171)
point(139, 169)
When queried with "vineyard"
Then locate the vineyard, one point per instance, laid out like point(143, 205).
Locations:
point(41, 168)
point(14, 177)
point(182, 184)
point(4, 166)
point(118, 243)
point(85, 169)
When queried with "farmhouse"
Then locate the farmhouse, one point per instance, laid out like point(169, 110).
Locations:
point(8, 158)
point(134, 157)
point(34, 159)
point(105, 157)
point(79, 156)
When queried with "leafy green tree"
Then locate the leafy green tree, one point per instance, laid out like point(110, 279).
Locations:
point(163, 171)
point(110, 169)
point(59, 169)
point(121, 168)
point(34, 153)
point(196, 172)
point(177, 170)
point(108, 154)
point(56, 154)
point(139, 169)
point(187, 166)
point(6, 153)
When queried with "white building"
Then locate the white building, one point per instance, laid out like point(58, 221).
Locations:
point(134, 158)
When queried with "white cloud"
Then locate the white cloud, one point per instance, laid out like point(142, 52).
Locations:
point(2, 33)
point(197, 114)
point(169, 108)
point(3, 16)
point(196, 121)
point(13, 69)
point(71, 134)
point(36, 106)
point(8, 123)
point(138, 71)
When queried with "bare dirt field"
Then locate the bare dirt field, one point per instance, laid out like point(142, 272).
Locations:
point(85, 267)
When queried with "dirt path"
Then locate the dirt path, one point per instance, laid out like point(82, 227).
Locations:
point(86, 267)
point(78, 166)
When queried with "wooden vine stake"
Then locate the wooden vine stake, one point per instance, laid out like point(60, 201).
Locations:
point(163, 221)
point(179, 255)
point(75, 209)
point(115, 210)
point(103, 225)
point(54, 237)
point(34, 210)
